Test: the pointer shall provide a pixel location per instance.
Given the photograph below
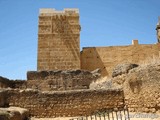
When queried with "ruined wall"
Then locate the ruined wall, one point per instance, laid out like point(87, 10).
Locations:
point(141, 88)
point(66, 103)
point(6, 83)
point(107, 58)
point(60, 80)
point(58, 39)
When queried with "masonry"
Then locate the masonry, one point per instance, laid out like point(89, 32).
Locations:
point(59, 46)
point(61, 79)
point(106, 58)
point(63, 103)
point(58, 39)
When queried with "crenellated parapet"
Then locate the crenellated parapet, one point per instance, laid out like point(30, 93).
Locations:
point(53, 12)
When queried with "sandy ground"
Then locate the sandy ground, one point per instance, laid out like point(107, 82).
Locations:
point(133, 116)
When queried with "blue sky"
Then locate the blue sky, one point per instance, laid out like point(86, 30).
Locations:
point(103, 23)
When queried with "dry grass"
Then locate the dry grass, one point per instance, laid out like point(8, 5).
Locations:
point(104, 83)
point(98, 84)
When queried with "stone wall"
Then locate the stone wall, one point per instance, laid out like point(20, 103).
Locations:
point(66, 103)
point(60, 80)
point(107, 58)
point(141, 88)
point(6, 83)
point(58, 40)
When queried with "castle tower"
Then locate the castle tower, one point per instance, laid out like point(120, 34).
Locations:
point(58, 39)
point(158, 30)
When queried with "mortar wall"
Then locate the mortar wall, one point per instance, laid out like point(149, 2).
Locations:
point(107, 58)
point(66, 103)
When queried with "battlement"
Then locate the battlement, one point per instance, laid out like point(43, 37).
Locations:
point(66, 11)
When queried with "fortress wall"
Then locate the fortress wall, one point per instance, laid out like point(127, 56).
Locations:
point(107, 58)
point(58, 40)
point(65, 103)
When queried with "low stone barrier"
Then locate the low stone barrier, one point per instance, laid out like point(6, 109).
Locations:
point(65, 103)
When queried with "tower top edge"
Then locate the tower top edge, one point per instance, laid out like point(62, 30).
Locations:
point(54, 11)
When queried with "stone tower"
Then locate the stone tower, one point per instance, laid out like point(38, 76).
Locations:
point(58, 39)
point(158, 30)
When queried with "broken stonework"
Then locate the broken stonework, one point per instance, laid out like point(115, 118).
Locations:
point(65, 103)
point(61, 79)
point(123, 68)
point(14, 113)
point(6, 83)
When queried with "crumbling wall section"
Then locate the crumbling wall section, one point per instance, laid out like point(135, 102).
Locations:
point(66, 103)
point(140, 86)
point(141, 89)
point(6, 83)
point(60, 80)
